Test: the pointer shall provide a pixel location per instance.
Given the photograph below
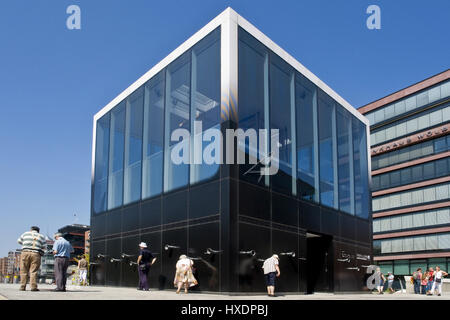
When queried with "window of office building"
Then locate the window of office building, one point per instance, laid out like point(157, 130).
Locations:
point(116, 153)
point(133, 147)
point(177, 110)
point(101, 164)
point(307, 143)
point(205, 106)
point(153, 145)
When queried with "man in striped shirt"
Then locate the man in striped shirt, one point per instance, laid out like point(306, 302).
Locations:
point(33, 244)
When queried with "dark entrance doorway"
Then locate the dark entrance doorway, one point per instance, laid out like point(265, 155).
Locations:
point(319, 273)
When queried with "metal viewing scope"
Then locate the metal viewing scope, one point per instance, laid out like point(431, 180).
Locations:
point(115, 260)
point(289, 254)
point(212, 251)
point(251, 253)
point(124, 255)
point(101, 256)
point(168, 246)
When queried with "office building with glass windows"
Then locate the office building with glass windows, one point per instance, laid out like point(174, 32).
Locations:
point(314, 212)
point(410, 149)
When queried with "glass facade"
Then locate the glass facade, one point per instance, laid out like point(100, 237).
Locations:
point(410, 125)
point(322, 146)
point(411, 197)
point(438, 241)
point(413, 152)
point(429, 218)
point(410, 103)
point(425, 171)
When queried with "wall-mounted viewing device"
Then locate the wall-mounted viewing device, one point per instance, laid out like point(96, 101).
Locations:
point(212, 251)
point(169, 247)
point(115, 260)
point(289, 254)
point(132, 263)
point(251, 253)
point(101, 256)
point(353, 268)
point(124, 255)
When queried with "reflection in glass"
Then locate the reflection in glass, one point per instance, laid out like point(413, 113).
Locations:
point(281, 113)
point(116, 151)
point(307, 143)
point(101, 163)
point(345, 160)
point(360, 169)
point(253, 90)
point(327, 151)
point(177, 117)
point(205, 101)
point(133, 147)
point(153, 137)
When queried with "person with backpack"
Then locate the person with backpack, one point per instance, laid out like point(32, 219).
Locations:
point(417, 278)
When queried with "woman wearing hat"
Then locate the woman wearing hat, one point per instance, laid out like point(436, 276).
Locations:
point(144, 261)
point(183, 274)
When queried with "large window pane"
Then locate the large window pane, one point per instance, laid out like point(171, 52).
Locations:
point(152, 171)
point(205, 106)
point(345, 160)
point(116, 152)
point(101, 163)
point(253, 90)
point(281, 78)
point(307, 143)
point(133, 147)
point(176, 173)
point(327, 151)
point(360, 169)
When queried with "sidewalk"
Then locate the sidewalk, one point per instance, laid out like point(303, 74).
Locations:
point(11, 292)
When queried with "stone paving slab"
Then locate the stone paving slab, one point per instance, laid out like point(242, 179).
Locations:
point(12, 292)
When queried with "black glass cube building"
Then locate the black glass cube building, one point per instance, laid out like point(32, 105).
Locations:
point(314, 212)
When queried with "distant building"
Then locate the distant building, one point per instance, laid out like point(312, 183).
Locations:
point(13, 267)
point(410, 148)
point(3, 267)
point(75, 234)
point(87, 242)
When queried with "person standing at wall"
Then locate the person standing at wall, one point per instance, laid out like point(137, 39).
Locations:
point(437, 284)
point(144, 261)
point(271, 271)
point(424, 282)
point(417, 278)
point(33, 245)
point(390, 279)
point(382, 278)
point(183, 274)
point(61, 249)
point(430, 280)
point(82, 270)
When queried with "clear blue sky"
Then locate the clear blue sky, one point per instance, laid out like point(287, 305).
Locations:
point(53, 80)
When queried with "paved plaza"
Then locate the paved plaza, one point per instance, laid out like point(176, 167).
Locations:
point(11, 292)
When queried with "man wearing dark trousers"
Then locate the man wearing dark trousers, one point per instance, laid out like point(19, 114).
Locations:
point(62, 249)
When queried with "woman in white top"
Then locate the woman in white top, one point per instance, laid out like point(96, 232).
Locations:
point(437, 284)
point(183, 274)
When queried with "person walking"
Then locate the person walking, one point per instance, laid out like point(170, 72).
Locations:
point(271, 271)
point(82, 270)
point(390, 279)
point(417, 278)
point(437, 284)
point(183, 274)
point(145, 261)
point(62, 250)
point(33, 245)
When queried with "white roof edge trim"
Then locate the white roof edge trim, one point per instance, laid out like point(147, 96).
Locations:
point(265, 40)
point(199, 35)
